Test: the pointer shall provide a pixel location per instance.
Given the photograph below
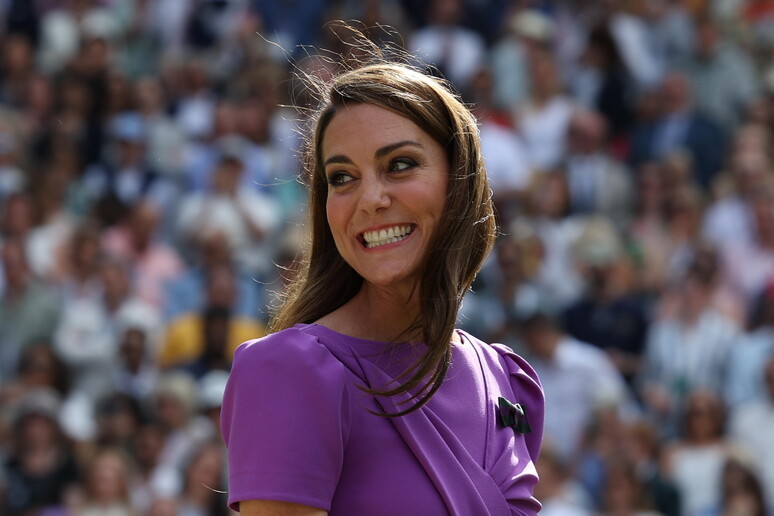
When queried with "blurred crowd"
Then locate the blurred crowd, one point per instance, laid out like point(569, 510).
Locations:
point(151, 204)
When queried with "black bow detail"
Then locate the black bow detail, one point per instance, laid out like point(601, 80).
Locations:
point(513, 415)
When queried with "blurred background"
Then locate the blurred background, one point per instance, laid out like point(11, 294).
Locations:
point(150, 198)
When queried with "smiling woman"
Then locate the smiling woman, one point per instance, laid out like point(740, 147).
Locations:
point(365, 399)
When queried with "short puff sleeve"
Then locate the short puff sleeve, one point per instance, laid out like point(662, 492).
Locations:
point(285, 420)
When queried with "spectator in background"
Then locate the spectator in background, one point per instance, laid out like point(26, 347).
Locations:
point(687, 346)
point(542, 120)
point(125, 175)
point(174, 404)
point(18, 218)
point(525, 31)
point(507, 164)
point(137, 370)
point(602, 83)
point(598, 182)
point(203, 484)
point(154, 262)
point(507, 291)
point(12, 178)
point(29, 308)
point(751, 352)
point(611, 314)
point(80, 279)
point(694, 461)
point(557, 490)
point(728, 221)
point(211, 388)
point(17, 65)
point(118, 416)
point(292, 23)
point(639, 52)
point(642, 448)
point(55, 224)
point(206, 338)
point(746, 429)
point(679, 125)
point(40, 470)
point(105, 487)
point(683, 209)
point(672, 31)
point(576, 378)
point(196, 100)
point(647, 232)
point(88, 335)
point(624, 493)
point(757, 255)
point(39, 368)
point(151, 479)
point(188, 292)
point(247, 217)
point(723, 78)
point(165, 139)
point(549, 214)
point(260, 151)
point(455, 51)
point(63, 28)
point(741, 490)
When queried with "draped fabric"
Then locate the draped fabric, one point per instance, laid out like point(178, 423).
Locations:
point(474, 463)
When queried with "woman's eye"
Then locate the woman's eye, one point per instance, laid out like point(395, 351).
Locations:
point(339, 178)
point(400, 164)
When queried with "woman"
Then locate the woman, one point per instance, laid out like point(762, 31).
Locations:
point(366, 400)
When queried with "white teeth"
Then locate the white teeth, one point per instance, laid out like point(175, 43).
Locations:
point(386, 236)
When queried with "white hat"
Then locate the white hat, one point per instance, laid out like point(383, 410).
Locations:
point(212, 386)
point(532, 24)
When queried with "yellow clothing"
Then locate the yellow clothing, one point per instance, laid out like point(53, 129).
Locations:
point(184, 339)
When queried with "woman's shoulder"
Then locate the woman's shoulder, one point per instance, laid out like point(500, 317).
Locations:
point(293, 347)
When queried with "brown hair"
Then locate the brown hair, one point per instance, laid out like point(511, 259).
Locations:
point(464, 235)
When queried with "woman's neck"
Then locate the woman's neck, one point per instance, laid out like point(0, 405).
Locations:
point(375, 314)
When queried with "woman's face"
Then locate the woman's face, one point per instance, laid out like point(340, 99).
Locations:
point(387, 183)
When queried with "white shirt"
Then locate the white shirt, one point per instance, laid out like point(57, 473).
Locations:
point(751, 426)
point(576, 380)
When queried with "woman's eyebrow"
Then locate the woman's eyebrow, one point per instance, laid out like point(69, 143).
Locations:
point(380, 153)
point(391, 147)
point(338, 158)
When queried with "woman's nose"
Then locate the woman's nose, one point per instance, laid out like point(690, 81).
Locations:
point(375, 194)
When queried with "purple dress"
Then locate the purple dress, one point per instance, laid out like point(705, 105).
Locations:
point(298, 428)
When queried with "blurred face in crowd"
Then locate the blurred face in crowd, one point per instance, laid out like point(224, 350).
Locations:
point(148, 444)
point(763, 219)
point(707, 37)
point(206, 469)
point(115, 281)
point(132, 349)
point(227, 176)
point(38, 366)
point(18, 218)
point(107, 478)
point(149, 95)
point(15, 266)
point(704, 417)
point(586, 132)
point(675, 93)
point(142, 225)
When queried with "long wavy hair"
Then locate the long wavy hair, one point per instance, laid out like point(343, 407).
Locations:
point(463, 237)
